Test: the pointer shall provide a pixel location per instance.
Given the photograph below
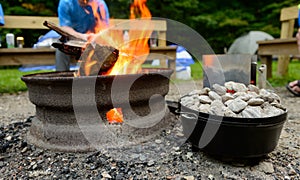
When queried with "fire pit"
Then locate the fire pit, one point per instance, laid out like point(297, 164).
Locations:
point(65, 108)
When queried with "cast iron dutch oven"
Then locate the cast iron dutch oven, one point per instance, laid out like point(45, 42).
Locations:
point(230, 136)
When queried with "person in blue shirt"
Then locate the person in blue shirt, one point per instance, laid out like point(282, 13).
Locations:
point(82, 19)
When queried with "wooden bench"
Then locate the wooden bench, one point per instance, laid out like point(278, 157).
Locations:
point(284, 47)
point(46, 56)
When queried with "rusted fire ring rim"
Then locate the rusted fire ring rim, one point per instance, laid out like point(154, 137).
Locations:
point(65, 75)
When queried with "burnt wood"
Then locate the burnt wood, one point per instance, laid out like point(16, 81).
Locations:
point(100, 58)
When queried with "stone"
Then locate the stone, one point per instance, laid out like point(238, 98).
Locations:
point(229, 113)
point(214, 96)
point(8, 138)
point(266, 95)
point(269, 111)
point(187, 101)
point(106, 175)
point(204, 99)
point(204, 108)
point(239, 87)
point(239, 94)
point(150, 163)
point(194, 107)
point(252, 112)
point(275, 97)
point(228, 102)
point(253, 88)
point(227, 97)
point(237, 105)
point(217, 108)
point(245, 97)
point(189, 177)
point(278, 105)
point(252, 94)
point(220, 90)
point(158, 141)
point(211, 177)
point(266, 167)
point(255, 101)
point(229, 85)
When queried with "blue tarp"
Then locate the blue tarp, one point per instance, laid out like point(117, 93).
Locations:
point(39, 68)
point(1, 16)
point(183, 58)
point(50, 34)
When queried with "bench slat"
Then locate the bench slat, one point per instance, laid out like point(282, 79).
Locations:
point(27, 22)
point(289, 13)
point(36, 22)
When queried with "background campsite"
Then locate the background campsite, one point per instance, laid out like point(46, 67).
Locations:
point(220, 23)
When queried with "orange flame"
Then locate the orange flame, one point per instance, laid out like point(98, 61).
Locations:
point(138, 9)
point(100, 24)
point(115, 115)
point(132, 53)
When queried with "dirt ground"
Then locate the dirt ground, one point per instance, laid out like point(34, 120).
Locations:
point(284, 161)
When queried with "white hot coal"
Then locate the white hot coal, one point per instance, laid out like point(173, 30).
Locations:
point(235, 100)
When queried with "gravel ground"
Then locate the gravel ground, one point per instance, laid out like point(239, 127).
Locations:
point(21, 160)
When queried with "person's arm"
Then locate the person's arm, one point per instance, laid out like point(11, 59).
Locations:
point(76, 34)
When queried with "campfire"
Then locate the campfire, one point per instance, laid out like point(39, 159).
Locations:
point(110, 53)
point(110, 92)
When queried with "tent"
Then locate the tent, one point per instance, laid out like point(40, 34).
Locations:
point(246, 44)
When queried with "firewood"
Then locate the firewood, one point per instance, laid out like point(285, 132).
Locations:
point(65, 35)
point(98, 60)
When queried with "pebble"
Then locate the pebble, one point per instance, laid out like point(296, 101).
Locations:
point(217, 108)
point(106, 175)
point(237, 105)
point(255, 102)
point(158, 141)
point(211, 177)
point(214, 96)
point(266, 167)
point(188, 177)
point(8, 138)
point(252, 112)
point(204, 99)
point(220, 90)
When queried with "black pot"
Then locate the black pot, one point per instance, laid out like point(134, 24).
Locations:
point(229, 136)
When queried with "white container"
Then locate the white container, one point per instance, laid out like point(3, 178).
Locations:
point(20, 42)
point(10, 40)
point(183, 72)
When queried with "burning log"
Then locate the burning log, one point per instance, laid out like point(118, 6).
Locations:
point(94, 61)
point(97, 60)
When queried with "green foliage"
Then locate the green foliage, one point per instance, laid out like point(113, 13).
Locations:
point(219, 22)
point(293, 74)
point(28, 8)
point(10, 80)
